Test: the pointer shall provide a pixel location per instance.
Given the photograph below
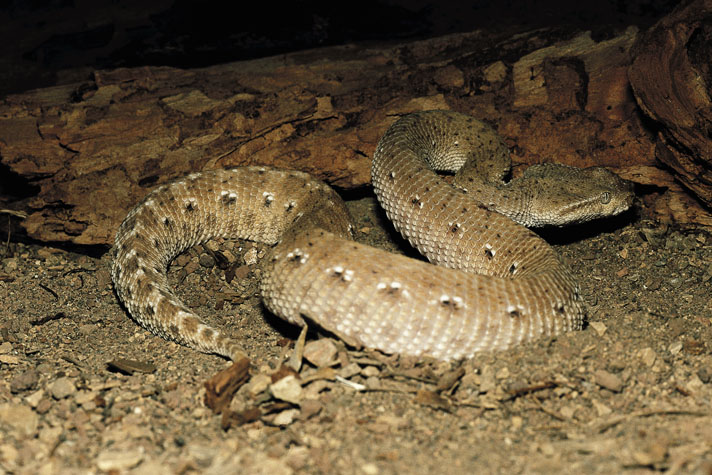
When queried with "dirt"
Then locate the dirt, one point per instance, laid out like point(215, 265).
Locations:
point(631, 392)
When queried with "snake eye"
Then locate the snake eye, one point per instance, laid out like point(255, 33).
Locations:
point(605, 197)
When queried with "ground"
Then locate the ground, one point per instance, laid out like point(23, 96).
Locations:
point(631, 392)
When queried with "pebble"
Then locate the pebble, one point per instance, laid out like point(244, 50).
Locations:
point(206, 260)
point(370, 468)
point(487, 379)
point(11, 265)
point(251, 256)
point(9, 359)
point(352, 369)
point(370, 371)
point(647, 356)
point(608, 380)
point(600, 327)
point(34, 399)
point(117, 460)
point(62, 387)
point(285, 418)
point(321, 352)
point(310, 408)
point(258, 383)
point(601, 408)
point(20, 419)
point(24, 381)
point(287, 389)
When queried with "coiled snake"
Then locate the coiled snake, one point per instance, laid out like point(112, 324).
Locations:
point(495, 283)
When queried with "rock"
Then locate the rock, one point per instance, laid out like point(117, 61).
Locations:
point(287, 389)
point(62, 387)
point(115, 459)
point(258, 383)
point(608, 380)
point(18, 419)
point(285, 418)
point(206, 260)
point(321, 352)
point(648, 356)
point(24, 381)
point(34, 399)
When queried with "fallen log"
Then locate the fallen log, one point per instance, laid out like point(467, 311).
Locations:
point(93, 149)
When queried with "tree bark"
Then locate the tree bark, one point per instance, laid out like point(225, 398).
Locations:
point(671, 76)
point(92, 150)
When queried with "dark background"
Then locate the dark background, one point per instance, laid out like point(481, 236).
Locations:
point(49, 42)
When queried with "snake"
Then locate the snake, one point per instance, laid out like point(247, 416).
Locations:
point(442, 178)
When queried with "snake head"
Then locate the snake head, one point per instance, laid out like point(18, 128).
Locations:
point(565, 195)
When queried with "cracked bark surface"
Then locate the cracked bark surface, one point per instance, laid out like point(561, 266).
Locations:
point(90, 151)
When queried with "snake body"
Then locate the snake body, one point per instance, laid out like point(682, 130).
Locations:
point(495, 283)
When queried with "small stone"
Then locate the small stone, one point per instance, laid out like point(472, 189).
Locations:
point(34, 399)
point(287, 389)
point(19, 419)
point(652, 453)
point(601, 408)
point(86, 329)
point(62, 387)
point(675, 347)
point(608, 380)
point(24, 381)
point(648, 356)
point(600, 327)
point(310, 408)
point(370, 371)
point(258, 383)
point(11, 265)
point(321, 352)
point(251, 256)
point(8, 455)
point(43, 406)
point(206, 260)
point(312, 390)
point(449, 76)
point(487, 380)
point(495, 72)
point(352, 369)
point(5, 348)
point(395, 422)
point(119, 460)
point(285, 418)
point(297, 457)
point(9, 359)
point(370, 468)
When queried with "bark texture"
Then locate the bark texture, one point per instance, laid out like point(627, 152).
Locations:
point(93, 149)
point(671, 76)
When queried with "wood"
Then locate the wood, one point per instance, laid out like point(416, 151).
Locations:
point(671, 78)
point(221, 387)
point(95, 149)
